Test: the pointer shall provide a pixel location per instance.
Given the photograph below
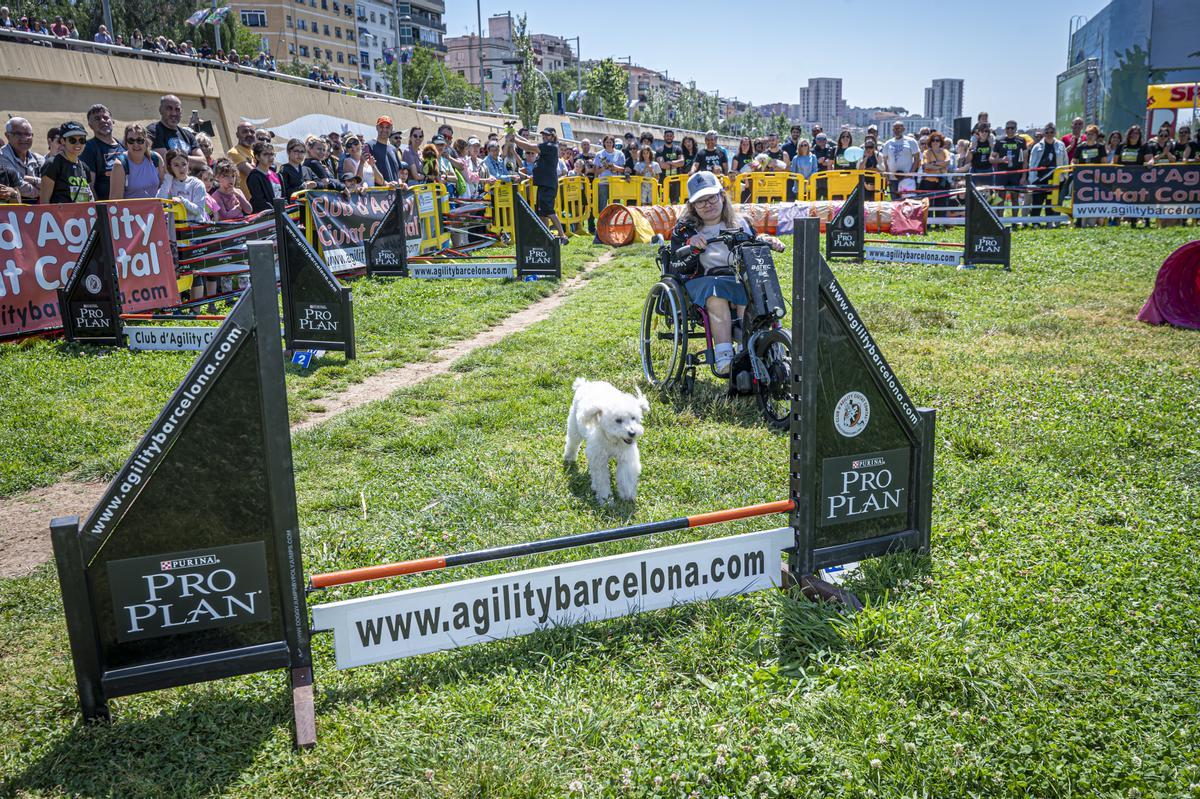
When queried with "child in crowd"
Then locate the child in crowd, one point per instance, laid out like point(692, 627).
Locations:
point(231, 203)
point(179, 186)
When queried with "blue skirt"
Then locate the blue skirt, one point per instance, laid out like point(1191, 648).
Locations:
point(726, 287)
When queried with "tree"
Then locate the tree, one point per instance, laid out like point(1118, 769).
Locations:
point(607, 89)
point(425, 75)
point(657, 110)
point(532, 94)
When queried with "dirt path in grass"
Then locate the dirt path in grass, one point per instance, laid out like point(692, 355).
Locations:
point(25, 519)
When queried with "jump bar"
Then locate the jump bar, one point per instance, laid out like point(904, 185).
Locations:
point(365, 573)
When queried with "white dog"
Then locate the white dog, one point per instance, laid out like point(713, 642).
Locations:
point(611, 423)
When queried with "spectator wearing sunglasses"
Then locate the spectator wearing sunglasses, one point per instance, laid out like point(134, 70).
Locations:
point(411, 154)
point(65, 178)
point(138, 172)
point(102, 150)
point(1009, 156)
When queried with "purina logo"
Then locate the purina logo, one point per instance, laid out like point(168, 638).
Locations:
point(184, 563)
point(537, 255)
point(386, 258)
point(186, 592)
point(866, 462)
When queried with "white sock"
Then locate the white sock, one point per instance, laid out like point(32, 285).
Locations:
point(723, 352)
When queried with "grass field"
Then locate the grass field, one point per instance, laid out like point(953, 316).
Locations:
point(67, 409)
point(1047, 647)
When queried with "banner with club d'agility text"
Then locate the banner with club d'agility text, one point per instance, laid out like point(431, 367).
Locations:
point(1169, 191)
point(341, 224)
point(39, 245)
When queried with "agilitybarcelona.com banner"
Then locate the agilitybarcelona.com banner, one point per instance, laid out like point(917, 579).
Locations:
point(1171, 191)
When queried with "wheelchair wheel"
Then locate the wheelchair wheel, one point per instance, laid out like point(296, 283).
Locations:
point(775, 397)
point(664, 337)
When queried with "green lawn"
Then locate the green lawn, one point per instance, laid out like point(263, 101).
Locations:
point(1046, 648)
point(79, 410)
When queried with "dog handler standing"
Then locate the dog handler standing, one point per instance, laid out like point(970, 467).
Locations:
point(545, 177)
point(710, 280)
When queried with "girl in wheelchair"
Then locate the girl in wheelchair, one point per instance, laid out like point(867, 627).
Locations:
point(708, 273)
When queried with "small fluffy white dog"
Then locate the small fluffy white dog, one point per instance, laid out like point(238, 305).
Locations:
point(611, 423)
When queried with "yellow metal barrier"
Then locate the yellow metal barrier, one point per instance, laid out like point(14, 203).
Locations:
point(431, 202)
point(501, 196)
point(674, 190)
point(572, 202)
point(767, 187)
point(632, 190)
point(837, 184)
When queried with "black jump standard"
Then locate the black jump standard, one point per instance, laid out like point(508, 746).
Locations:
point(156, 595)
point(318, 311)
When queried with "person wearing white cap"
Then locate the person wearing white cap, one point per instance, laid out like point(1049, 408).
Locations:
point(708, 274)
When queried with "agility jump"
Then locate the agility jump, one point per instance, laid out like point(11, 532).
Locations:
point(860, 485)
point(538, 252)
point(988, 240)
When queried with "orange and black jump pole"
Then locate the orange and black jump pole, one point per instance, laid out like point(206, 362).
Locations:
point(420, 565)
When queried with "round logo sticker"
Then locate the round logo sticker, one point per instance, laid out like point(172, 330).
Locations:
point(851, 414)
point(848, 221)
point(92, 284)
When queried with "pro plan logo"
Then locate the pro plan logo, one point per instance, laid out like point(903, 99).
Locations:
point(93, 284)
point(186, 592)
point(851, 414)
point(317, 318)
point(386, 258)
point(539, 256)
point(987, 245)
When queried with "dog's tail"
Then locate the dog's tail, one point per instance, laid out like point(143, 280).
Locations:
point(579, 383)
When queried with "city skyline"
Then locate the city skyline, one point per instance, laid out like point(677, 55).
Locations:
point(995, 80)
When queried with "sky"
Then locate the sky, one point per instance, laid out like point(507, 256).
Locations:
point(1008, 54)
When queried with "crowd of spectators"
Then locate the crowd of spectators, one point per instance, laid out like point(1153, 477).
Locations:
point(170, 159)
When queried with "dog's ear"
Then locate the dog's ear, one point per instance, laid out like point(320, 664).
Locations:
point(590, 412)
point(643, 403)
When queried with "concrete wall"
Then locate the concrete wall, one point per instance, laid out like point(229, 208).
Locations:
point(48, 86)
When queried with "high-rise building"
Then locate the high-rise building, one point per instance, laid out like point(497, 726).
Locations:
point(376, 41)
point(821, 102)
point(551, 52)
point(944, 100)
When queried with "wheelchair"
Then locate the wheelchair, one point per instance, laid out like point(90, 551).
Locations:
point(762, 360)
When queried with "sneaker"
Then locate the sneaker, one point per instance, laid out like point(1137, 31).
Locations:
point(965, 267)
point(564, 241)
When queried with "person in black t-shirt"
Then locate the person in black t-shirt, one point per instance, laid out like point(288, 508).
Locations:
point(670, 158)
point(793, 142)
point(1008, 158)
point(712, 157)
point(545, 178)
point(65, 178)
point(1090, 150)
point(1162, 149)
point(824, 151)
point(1133, 151)
point(168, 134)
point(979, 153)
